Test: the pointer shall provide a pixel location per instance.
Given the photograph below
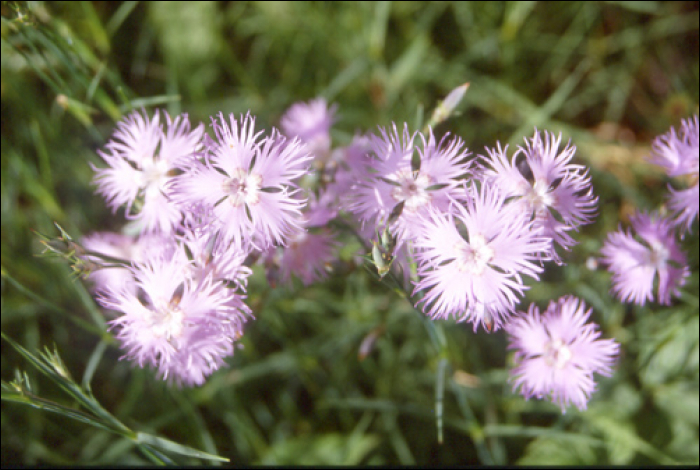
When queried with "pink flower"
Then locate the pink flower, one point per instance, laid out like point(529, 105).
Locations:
point(311, 123)
point(247, 182)
point(679, 155)
point(557, 353)
point(477, 278)
point(311, 249)
point(184, 326)
point(541, 180)
point(141, 157)
point(122, 247)
point(636, 262)
point(308, 255)
point(397, 184)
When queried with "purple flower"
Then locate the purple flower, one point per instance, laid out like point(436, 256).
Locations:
point(478, 277)
point(557, 353)
point(212, 255)
point(635, 263)
point(346, 167)
point(181, 325)
point(141, 157)
point(311, 123)
point(247, 182)
point(308, 255)
point(544, 184)
point(395, 186)
point(311, 249)
point(122, 247)
point(679, 155)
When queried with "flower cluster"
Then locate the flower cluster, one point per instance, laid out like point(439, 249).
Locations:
point(649, 253)
point(471, 230)
point(635, 263)
point(465, 232)
point(679, 156)
point(203, 205)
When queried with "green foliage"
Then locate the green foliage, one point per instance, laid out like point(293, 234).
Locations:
point(50, 364)
point(608, 75)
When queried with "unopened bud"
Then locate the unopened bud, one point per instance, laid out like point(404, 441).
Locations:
point(367, 345)
point(448, 105)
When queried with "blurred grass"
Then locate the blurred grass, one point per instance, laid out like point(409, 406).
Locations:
point(608, 75)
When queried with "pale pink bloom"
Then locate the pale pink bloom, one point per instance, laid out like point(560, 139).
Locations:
point(182, 326)
point(346, 168)
point(141, 158)
point(541, 180)
point(311, 123)
point(210, 254)
point(310, 250)
point(477, 277)
point(248, 182)
point(557, 353)
point(679, 155)
point(653, 256)
point(114, 273)
point(308, 255)
point(395, 184)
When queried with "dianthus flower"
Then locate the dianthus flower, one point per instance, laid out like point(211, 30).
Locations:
point(544, 184)
point(141, 157)
point(635, 263)
point(346, 167)
point(311, 123)
point(122, 248)
point(477, 278)
point(397, 188)
point(679, 155)
point(311, 249)
point(184, 326)
point(557, 353)
point(247, 181)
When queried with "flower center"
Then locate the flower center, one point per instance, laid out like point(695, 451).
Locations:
point(539, 196)
point(412, 189)
point(243, 188)
point(167, 320)
point(475, 256)
point(657, 256)
point(557, 354)
point(153, 174)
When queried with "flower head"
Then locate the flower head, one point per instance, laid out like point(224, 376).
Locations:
point(477, 277)
point(400, 192)
point(636, 262)
point(311, 123)
point(122, 247)
point(181, 325)
point(311, 249)
point(557, 353)
point(544, 184)
point(248, 182)
point(141, 157)
point(680, 155)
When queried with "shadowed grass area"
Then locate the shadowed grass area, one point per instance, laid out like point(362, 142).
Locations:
point(610, 76)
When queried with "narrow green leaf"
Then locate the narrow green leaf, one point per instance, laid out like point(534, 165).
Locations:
point(170, 446)
point(93, 363)
point(46, 405)
point(119, 16)
point(150, 101)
